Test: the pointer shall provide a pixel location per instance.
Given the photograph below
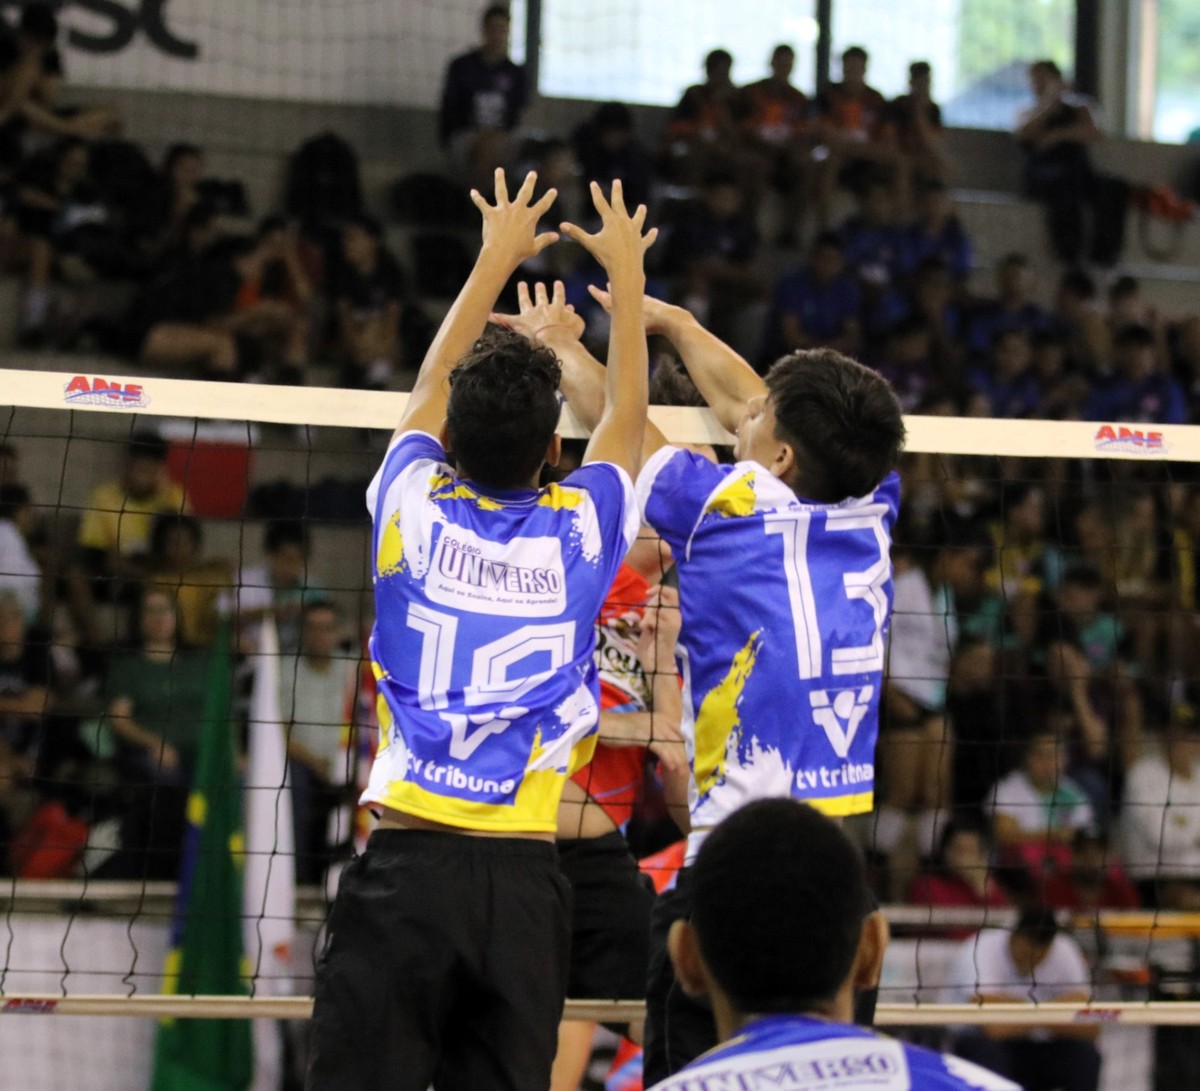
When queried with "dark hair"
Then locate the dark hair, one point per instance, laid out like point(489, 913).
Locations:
point(12, 499)
point(911, 325)
point(776, 932)
point(163, 526)
point(613, 116)
point(365, 222)
point(1047, 65)
point(829, 239)
point(920, 68)
point(1123, 288)
point(1085, 576)
point(1135, 335)
point(718, 57)
point(148, 445)
point(958, 535)
point(318, 602)
point(716, 179)
point(843, 420)
point(268, 225)
point(670, 384)
point(953, 829)
point(1038, 925)
point(1014, 259)
point(1079, 282)
point(783, 47)
point(855, 51)
point(284, 532)
point(931, 264)
point(179, 151)
point(1003, 334)
point(495, 11)
point(1047, 337)
point(39, 22)
point(503, 409)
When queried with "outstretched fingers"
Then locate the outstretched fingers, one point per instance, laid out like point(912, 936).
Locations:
point(559, 298)
point(602, 206)
point(523, 300)
point(539, 295)
point(525, 193)
point(501, 187)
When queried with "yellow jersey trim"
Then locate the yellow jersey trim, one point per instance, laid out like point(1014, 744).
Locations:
point(840, 806)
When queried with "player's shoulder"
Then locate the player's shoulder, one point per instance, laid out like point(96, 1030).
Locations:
point(932, 1071)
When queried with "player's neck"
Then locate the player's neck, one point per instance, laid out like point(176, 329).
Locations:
point(731, 1022)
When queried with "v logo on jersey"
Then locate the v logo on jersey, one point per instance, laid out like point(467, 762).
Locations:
point(841, 715)
point(464, 742)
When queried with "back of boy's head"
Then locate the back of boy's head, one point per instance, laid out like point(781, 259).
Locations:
point(503, 409)
point(780, 896)
point(285, 532)
point(841, 418)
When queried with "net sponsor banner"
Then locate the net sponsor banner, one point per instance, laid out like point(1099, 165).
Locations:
point(360, 51)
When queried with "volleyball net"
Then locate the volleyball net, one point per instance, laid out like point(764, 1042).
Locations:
point(1055, 559)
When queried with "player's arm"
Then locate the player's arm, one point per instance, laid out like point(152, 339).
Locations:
point(551, 321)
point(509, 238)
point(661, 624)
point(619, 246)
point(723, 378)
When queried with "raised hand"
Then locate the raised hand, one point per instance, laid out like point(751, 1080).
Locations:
point(510, 226)
point(619, 243)
point(656, 315)
point(544, 317)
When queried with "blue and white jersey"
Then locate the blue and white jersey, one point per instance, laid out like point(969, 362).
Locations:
point(485, 626)
point(800, 1053)
point(786, 605)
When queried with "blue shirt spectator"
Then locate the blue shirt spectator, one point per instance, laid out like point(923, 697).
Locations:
point(1138, 391)
point(1007, 381)
point(871, 240)
point(1013, 310)
point(815, 304)
point(937, 234)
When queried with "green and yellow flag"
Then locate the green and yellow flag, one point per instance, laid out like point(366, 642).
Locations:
point(206, 940)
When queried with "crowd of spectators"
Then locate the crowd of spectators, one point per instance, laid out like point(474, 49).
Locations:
point(106, 648)
point(1040, 689)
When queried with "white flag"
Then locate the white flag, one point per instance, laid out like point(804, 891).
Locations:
point(270, 876)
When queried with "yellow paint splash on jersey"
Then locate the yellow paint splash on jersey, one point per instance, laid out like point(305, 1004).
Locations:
point(736, 499)
point(718, 720)
point(556, 497)
point(444, 487)
point(389, 561)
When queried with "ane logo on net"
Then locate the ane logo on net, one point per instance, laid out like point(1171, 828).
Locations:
point(1134, 441)
point(82, 390)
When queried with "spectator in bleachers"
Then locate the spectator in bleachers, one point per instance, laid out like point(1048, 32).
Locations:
point(936, 233)
point(815, 305)
point(855, 128)
point(20, 572)
point(24, 686)
point(31, 75)
point(1061, 390)
point(1138, 389)
point(607, 147)
point(1160, 818)
point(1089, 344)
point(234, 310)
point(702, 134)
point(1013, 308)
point(1054, 135)
point(918, 124)
point(197, 583)
point(961, 877)
point(55, 200)
point(778, 131)
point(1037, 809)
point(710, 253)
point(277, 588)
point(1005, 383)
point(1034, 961)
point(916, 744)
point(115, 531)
point(872, 239)
point(166, 225)
point(316, 689)
point(1094, 880)
point(156, 699)
point(483, 97)
point(932, 298)
point(368, 292)
point(906, 361)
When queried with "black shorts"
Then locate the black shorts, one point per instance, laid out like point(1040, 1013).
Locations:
point(445, 964)
point(610, 922)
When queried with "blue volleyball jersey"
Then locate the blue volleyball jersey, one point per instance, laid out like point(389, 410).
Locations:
point(485, 627)
point(800, 1053)
point(786, 605)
